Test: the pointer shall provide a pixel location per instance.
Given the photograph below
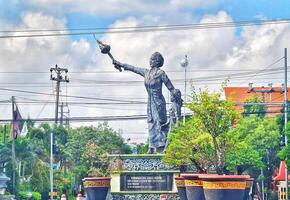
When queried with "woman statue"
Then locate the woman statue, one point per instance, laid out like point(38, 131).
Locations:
point(154, 78)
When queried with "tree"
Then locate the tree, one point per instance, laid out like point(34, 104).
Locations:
point(88, 143)
point(215, 117)
point(253, 106)
point(187, 145)
point(242, 157)
point(76, 148)
point(2, 130)
point(262, 136)
point(214, 133)
point(284, 153)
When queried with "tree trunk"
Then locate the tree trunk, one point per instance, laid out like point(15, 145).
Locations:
point(218, 163)
point(198, 167)
point(240, 170)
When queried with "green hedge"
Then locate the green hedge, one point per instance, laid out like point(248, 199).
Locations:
point(22, 195)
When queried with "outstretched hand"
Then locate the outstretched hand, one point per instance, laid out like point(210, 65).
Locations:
point(117, 65)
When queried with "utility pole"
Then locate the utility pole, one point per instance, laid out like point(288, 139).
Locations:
point(4, 142)
point(4, 132)
point(263, 90)
point(64, 114)
point(58, 77)
point(286, 116)
point(13, 147)
point(67, 117)
point(61, 113)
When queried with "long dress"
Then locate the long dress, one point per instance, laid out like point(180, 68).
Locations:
point(158, 125)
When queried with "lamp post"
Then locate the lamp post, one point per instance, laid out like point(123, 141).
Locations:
point(184, 64)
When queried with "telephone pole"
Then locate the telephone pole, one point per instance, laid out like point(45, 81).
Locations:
point(56, 75)
point(264, 91)
point(64, 114)
point(13, 147)
point(4, 132)
point(61, 113)
point(286, 115)
point(4, 142)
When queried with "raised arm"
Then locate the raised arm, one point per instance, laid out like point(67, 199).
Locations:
point(137, 70)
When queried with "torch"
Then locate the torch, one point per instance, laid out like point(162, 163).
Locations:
point(105, 49)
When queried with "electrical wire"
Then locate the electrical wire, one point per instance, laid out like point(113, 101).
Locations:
point(266, 68)
point(114, 118)
point(152, 26)
point(201, 70)
point(143, 29)
point(71, 96)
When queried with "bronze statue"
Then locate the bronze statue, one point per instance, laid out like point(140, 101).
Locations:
point(154, 78)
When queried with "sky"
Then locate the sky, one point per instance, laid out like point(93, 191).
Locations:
point(25, 62)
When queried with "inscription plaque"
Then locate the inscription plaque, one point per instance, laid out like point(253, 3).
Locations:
point(146, 182)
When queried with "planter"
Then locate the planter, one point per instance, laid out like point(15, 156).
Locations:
point(179, 181)
point(193, 185)
point(249, 185)
point(224, 187)
point(97, 188)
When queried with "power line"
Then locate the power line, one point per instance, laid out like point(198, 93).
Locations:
point(142, 29)
point(241, 74)
point(208, 78)
point(114, 118)
point(256, 22)
point(212, 69)
point(267, 67)
point(84, 119)
point(71, 96)
point(103, 103)
point(75, 103)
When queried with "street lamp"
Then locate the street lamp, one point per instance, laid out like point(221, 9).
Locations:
point(184, 64)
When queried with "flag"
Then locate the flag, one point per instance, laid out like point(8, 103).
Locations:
point(16, 122)
point(24, 130)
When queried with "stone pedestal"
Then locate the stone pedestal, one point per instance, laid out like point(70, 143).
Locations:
point(142, 176)
point(7, 197)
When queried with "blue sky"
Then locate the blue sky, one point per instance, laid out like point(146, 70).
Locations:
point(240, 10)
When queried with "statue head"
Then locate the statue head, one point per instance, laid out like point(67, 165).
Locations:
point(156, 60)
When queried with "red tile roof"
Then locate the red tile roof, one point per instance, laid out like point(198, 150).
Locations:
point(281, 174)
point(240, 94)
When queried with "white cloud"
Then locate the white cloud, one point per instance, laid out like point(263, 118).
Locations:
point(39, 54)
point(259, 46)
point(254, 47)
point(202, 46)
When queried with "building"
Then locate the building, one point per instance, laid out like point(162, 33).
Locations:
point(279, 181)
point(273, 97)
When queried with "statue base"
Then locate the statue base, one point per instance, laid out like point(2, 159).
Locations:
point(7, 197)
point(142, 176)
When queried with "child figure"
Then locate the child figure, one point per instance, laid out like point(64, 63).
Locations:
point(175, 109)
